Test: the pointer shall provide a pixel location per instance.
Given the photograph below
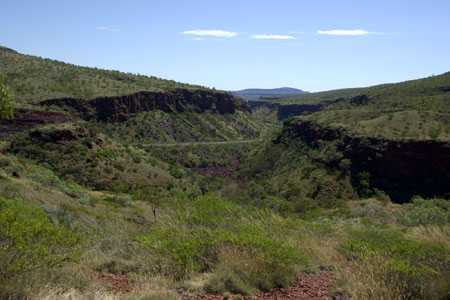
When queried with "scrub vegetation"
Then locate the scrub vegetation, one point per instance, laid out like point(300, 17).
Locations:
point(201, 205)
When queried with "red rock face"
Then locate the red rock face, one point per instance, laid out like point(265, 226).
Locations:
point(286, 111)
point(120, 108)
point(26, 119)
point(404, 168)
point(401, 168)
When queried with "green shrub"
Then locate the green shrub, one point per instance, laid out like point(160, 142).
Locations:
point(29, 240)
point(425, 212)
point(195, 238)
point(415, 268)
point(228, 277)
point(276, 204)
point(6, 103)
point(118, 200)
point(363, 182)
point(374, 211)
point(244, 271)
point(176, 171)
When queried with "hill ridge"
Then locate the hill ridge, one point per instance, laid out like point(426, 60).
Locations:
point(33, 79)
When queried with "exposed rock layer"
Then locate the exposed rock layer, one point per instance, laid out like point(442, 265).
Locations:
point(120, 108)
point(286, 111)
point(401, 168)
point(26, 119)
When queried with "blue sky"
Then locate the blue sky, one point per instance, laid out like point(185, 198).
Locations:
point(313, 45)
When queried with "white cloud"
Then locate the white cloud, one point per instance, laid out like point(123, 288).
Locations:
point(108, 28)
point(272, 37)
point(296, 32)
point(344, 32)
point(211, 33)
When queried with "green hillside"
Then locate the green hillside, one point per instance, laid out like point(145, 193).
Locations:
point(160, 127)
point(32, 79)
point(408, 93)
point(417, 109)
point(430, 93)
point(314, 98)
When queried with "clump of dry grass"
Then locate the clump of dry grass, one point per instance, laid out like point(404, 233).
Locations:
point(431, 233)
point(246, 272)
point(367, 280)
point(146, 289)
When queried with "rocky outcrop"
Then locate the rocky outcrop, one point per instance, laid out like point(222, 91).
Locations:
point(26, 119)
point(263, 104)
point(287, 111)
point(120, 108)
point(401, 168)
point(71, 105)
point(290, 110)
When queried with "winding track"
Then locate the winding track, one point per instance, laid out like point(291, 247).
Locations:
point(187, 144)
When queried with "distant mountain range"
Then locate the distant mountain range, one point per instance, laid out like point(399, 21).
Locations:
point(268, 94)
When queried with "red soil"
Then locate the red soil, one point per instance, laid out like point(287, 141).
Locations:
point(311, 287)
point(119, 283)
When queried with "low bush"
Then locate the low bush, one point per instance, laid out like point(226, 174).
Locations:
point(88, 159)
point(30, 241)
point(244, 272)
point(118, 200)
point(425, 212)
point(373, 210)
point(415, 269)
point(200, 236)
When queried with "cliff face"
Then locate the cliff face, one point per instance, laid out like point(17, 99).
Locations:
point(287, 111)
point(401, 168)
point(25, 119)
point(263, 104)
point(116, 109)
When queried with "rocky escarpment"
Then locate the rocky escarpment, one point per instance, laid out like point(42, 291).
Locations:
point(401, 168)
point(26, 119)
point(120, 108)
point(263, 104)
point(287, 111)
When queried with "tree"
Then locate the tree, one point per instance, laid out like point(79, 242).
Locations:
point(6, 103)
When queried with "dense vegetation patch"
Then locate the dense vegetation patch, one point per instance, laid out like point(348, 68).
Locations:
point(31, 241)
point(201, 235)
point(295, 178)
point(91, 159)
point(161, 127)
point(413, 269)
point(6, 104)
